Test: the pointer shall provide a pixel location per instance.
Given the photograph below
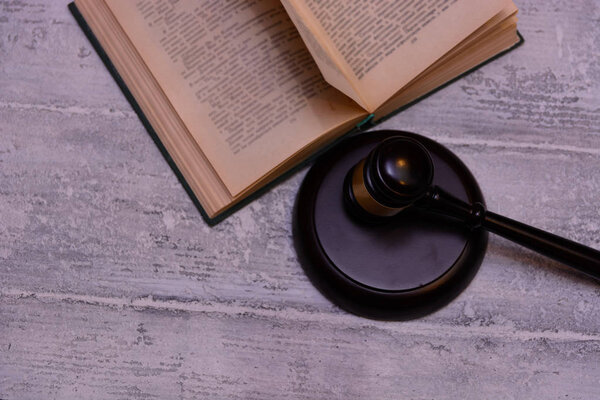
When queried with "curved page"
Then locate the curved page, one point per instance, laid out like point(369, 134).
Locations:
point(382, 45)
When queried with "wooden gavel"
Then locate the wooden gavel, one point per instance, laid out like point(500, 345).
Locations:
point(398, 174)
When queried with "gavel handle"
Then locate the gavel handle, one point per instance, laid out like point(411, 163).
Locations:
point(576, 255)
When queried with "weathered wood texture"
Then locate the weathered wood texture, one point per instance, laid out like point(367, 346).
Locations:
point(112, 286)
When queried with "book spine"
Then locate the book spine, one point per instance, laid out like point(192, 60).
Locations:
point(366, 123)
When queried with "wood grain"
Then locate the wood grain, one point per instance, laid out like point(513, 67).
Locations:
point(112, 286)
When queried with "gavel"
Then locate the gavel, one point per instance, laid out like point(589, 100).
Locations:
point(398, 174)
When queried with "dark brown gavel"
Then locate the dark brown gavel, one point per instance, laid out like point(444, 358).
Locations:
point(398, 174)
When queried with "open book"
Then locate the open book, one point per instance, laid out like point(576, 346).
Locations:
point(239, 91)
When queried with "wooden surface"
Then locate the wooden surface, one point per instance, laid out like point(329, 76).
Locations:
point(112, 286)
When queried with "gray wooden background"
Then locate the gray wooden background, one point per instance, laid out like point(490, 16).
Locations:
point(113, 287)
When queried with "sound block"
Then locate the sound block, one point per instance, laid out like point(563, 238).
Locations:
point(405, 268)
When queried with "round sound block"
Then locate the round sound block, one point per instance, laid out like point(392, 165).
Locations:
point(404, 268)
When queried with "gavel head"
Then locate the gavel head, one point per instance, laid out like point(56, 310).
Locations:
point(394, 175)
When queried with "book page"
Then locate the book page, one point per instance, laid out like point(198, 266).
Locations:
point(387, 43)
point(472, 52)
point(240, 78)
point(333, 73)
